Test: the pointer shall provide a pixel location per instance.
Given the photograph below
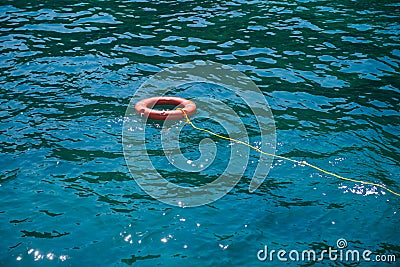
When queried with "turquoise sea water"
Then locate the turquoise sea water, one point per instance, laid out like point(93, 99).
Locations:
point(329, 70)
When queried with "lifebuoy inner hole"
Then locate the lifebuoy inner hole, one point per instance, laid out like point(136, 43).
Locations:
point(163, 107)
point(165, 104)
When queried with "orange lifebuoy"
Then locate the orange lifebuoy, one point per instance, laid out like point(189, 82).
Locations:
point(145, 108)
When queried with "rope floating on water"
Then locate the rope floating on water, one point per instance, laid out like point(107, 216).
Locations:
point(188, 121)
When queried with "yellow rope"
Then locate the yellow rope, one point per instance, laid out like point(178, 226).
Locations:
point(286, 158)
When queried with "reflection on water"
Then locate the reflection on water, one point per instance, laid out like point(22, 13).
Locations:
point(329, 71)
